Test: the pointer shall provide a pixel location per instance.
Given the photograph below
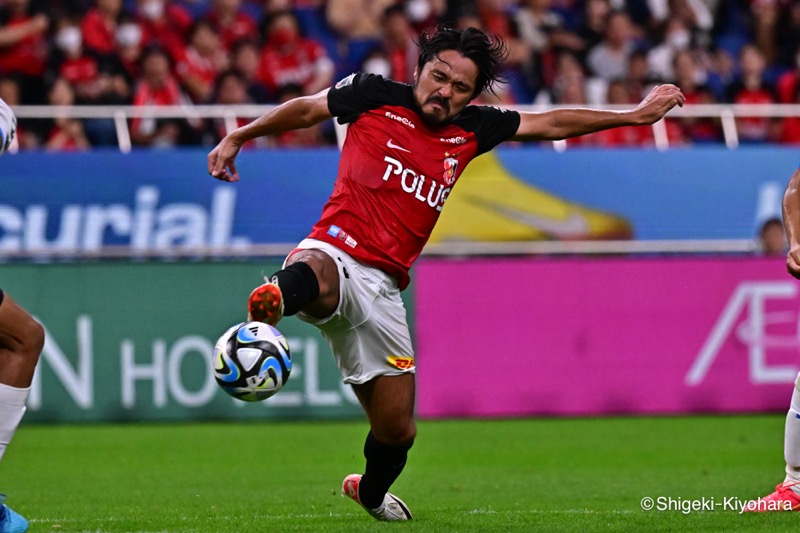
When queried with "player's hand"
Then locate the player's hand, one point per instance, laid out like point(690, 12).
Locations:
point(658, 102)
point(222, 160)
point(793, 261)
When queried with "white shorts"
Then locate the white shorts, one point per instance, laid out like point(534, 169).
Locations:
point(368, 332)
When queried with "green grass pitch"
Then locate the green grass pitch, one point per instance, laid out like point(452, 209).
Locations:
point(512, 475)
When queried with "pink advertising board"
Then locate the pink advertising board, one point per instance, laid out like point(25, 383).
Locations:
point(534, 336)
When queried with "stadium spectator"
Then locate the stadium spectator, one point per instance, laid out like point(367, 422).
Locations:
point(569, 82)
point(790, 126)
point(691, 79)
point(289, 58)
point(95, 80)
point(231, 89)
point(568, 89)
point(677, 36)
point(302, 138)
point(24, 47)
point(789, 81)
point(592, 27)
point(377, 63)
point(424, 15)
point(157, 87)
point(608, 59)
point(99, 26)
point(65, 134)
point(231, 22)
point(765, 15)
point(129, 47)
point(638, 77)
point(752, 88)
point(164, 24)
point(788, 35)
point(626, 136)
point(397, 37)
point(772, 238)
point(511, 67)
point(245, 59)
point(721, 69)
point(542, 29)
point(357, 19)
point(495, 19)
point(200, 61)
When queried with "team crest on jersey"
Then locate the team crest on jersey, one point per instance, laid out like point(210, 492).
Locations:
point(450, 167)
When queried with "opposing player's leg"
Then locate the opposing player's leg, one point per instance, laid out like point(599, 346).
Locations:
point(309, 282)
point(389, 403)
point(21, 342)
point(787, 494)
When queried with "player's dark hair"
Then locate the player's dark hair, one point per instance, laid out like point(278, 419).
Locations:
point(487, 51)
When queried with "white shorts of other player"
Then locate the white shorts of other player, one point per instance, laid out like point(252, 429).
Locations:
point(8, 126)
point(368, 332)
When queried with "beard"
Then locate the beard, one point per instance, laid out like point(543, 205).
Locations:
point(435, 119)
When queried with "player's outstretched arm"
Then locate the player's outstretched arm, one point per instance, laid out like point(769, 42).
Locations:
point(564, 123)
point(791, 223)
point(292, 115)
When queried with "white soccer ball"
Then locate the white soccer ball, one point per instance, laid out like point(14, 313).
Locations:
point(251, 361)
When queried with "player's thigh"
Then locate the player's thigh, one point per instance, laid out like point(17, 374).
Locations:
point(388, 401)
point(19, 331)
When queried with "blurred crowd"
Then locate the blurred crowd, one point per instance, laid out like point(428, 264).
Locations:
point(575, 52)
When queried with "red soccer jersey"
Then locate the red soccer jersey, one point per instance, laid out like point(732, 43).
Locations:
point(395, 172)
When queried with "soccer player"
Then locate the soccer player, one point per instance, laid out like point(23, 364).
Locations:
point(21, 342)
point(787, 494)
point(405, 148)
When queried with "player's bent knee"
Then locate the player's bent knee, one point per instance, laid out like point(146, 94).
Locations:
point(32, 340)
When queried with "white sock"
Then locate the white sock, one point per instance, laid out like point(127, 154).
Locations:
point(12, 408)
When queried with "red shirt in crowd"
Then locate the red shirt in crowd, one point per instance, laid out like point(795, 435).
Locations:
point(295, 66)
point(146, 95)
point(752, 128)
point(190, 64)
point(98, 33)
point(27, 56)
point(79, 70)
point(169, 31)
point(242, 27)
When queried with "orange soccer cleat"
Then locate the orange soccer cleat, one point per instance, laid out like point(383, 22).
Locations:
point(266, 303)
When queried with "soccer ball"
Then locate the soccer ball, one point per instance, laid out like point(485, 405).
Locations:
point(251, 361)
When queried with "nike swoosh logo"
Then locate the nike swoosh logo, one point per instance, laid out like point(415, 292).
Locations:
point(391, 144)
point(574, 225)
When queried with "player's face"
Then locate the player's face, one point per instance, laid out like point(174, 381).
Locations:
point(445, 86)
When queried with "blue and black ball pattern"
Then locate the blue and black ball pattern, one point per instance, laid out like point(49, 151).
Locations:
point(252, 361)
